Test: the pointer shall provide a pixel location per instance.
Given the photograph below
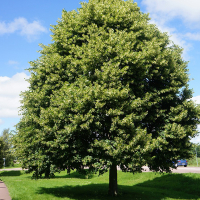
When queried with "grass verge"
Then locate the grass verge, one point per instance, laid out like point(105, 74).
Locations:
point(143, 186)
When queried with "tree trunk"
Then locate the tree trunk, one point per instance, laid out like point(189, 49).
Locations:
point(47, 171)
point(113, 181)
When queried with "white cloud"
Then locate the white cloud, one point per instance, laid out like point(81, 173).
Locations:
point(10, 89)
point(22, 26)
point(12, 62)
point(196, 99)
point(4, 78)
point(188, 10)
point(177, 38)
point(197, 138)
point(193, 36)
point(162, 12)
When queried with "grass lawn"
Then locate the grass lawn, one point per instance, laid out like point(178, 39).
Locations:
point(143, 186)
point(14, 166)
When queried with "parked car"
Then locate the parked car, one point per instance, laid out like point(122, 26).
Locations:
point(181, 162)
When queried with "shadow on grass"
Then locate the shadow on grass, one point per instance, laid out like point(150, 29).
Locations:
point(10, 173)
point(66, 176)
point(176, 186)
point(75, 175)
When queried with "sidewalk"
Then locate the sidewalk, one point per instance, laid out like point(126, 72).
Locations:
point(11, 169)
point(4, 194)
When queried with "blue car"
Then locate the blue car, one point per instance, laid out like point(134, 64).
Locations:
point(181, 162)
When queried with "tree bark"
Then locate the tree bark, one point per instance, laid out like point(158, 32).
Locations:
point(113, 181)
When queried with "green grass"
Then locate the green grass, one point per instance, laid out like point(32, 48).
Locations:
point(14, 166)
point(143, 186)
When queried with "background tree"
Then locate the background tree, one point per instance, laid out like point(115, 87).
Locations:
point(110, 90)
point(1, 152)
point(196, 150)
point(7, 147)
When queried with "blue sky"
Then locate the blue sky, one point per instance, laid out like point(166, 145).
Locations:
point(24, 24)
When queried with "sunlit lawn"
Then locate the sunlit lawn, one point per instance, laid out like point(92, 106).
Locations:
point(144, 186)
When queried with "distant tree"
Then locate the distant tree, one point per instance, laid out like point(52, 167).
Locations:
point(111, 90)
point(1, 152)
point(196, 150)
point(7, 147)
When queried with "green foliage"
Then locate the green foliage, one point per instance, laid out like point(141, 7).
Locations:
point(6, 150)
point(1, 152)
point(196, 150)
point(110, 89)
point(194, 162)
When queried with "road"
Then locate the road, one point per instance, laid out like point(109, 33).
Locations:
point(11, 169)
point(181, 169)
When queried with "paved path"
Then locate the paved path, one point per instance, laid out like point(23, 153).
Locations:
point(186, 170)
point(11, 169)
point(181, 169)
point(4, 194)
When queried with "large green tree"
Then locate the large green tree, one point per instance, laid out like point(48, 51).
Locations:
point(110, 90)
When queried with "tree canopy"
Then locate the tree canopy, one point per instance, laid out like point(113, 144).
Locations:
point(110, 90)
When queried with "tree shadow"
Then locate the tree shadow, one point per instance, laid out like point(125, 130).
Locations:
point(176, 186)
point(75, 175)
point(10, 173)
point(83, 192)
